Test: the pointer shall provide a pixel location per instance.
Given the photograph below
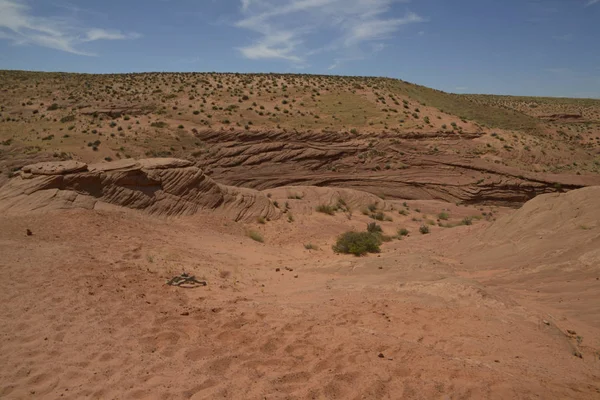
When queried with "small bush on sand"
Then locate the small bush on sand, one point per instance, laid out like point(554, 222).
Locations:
point(255, 236)
point(310, 246)
point(467, 221)
point(424, 229)
point(159, 124)
point(379, 216)
point(357, 243)
point(373, 227)
point(326, 209)
point(403, 232)
point(443, 216)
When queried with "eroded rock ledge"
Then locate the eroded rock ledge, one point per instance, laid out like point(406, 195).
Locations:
point(158, 186)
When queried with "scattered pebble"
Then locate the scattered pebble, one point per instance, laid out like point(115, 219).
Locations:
point(29, 233)
point(277, 269)
point(185, 313)
point(546, 322)
point(381, 355)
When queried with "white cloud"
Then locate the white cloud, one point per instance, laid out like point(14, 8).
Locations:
point(378, 29)
point(276, 45)
point(245, 4)
point(21, 27)
point(293, 30)
point(592, 2)
point(102, 34)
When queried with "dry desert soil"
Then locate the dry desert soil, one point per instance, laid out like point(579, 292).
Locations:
point(485, 209)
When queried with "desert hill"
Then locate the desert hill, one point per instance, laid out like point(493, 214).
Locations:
point(264, 131)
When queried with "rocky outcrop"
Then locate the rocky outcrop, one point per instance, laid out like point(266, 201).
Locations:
point(416, 166)
point(160, 186)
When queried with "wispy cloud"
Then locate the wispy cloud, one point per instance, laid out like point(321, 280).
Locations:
point(292, 30)
point(592, 2)
point(103, 34)
point(19, 25)
point(246, 4)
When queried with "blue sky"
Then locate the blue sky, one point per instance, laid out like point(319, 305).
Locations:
point(520, 47)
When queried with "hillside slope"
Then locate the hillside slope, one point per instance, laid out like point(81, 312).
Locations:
point(330, 124)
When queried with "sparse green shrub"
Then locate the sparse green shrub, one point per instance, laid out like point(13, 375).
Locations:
point(373, 227)
point(424, 229)
point(357, 243)
point(443, 216)
point(256, 236)
point(467, 221)
point(326, 209)
point(379, 216)
point(403, 232)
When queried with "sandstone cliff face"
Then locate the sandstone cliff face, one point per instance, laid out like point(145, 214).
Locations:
point(159, 186)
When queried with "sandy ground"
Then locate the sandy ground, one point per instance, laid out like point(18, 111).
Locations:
point(86, 312)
